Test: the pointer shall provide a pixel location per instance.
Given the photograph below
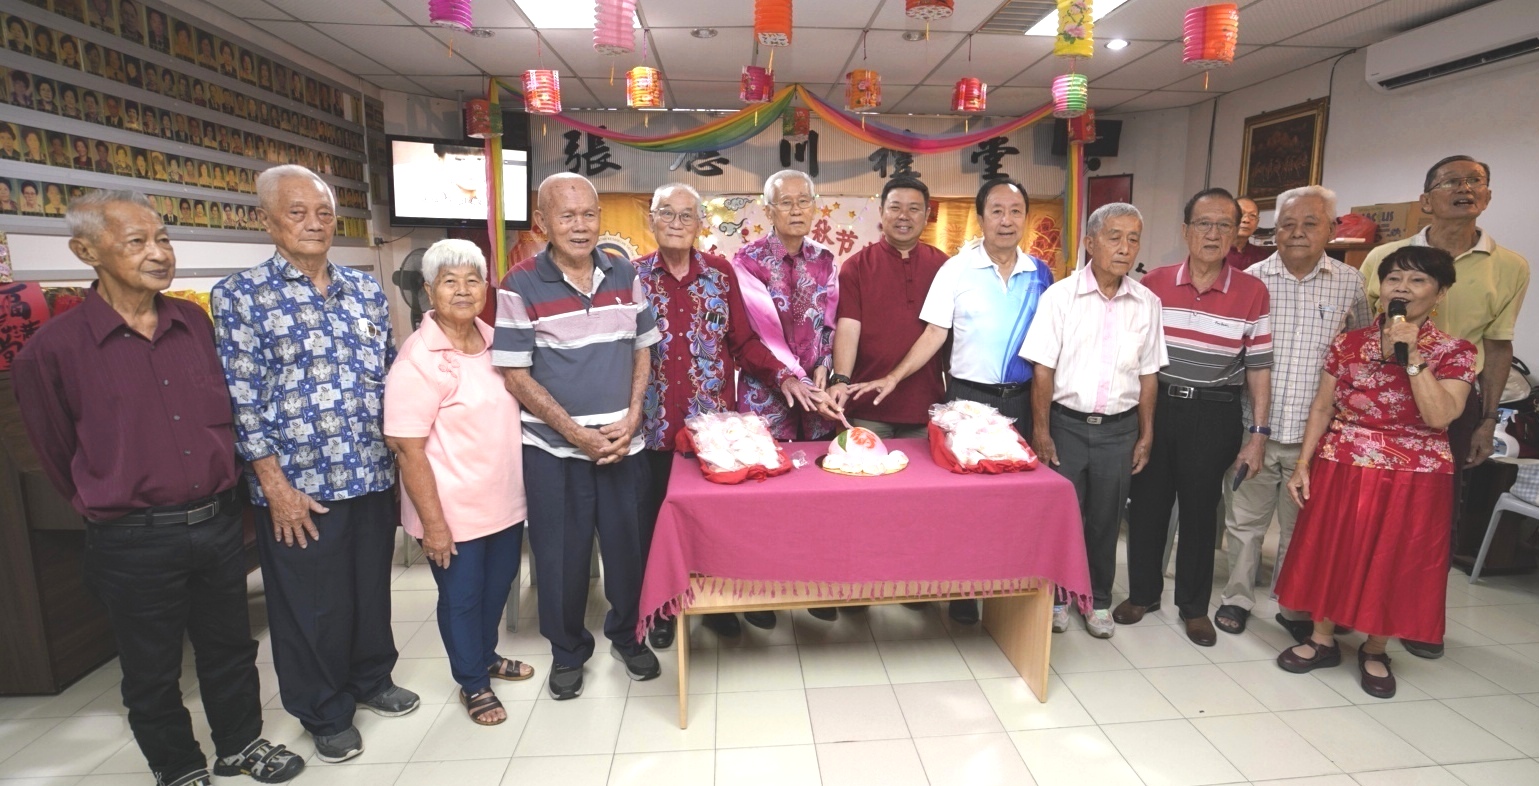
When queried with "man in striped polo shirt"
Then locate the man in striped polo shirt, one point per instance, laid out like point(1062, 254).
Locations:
point(1216, 330)
point(573, 332)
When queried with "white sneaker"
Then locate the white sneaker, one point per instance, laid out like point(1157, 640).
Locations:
point(1100, 624)
point(1060, 618)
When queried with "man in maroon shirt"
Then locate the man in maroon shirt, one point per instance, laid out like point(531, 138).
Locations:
point(124, 400)
point(1243, 253)
point(705, 338)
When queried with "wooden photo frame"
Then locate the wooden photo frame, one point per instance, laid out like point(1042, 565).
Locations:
point(1283, 149)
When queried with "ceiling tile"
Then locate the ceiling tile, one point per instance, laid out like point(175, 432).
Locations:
point(816, 55)
point(967, 17)
point(1017, 101)
point(447, 86)
point(309, 39)
point(1155, 70)
point(509, 52)
point(485, 13)
point(1270, 21)
point(696, 94)
point(1382, 21)
point(693, 13)
point(358, 12)
point(253, 9)
point(1161, 99)
point(716, 59)
point(399, 84)
point(855, 14)
point(899, 61)
point(575, 49)
point(1104, 98)
point(921, 100)
point(1150, 20)
point(1258, 66)
point(407, 50)
point(1041, 73)
point(995, 58)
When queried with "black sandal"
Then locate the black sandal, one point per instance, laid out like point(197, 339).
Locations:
point(1235, 615)
point(510, 670)
point(1300, 630)
point(264, 762)
point(482, 704)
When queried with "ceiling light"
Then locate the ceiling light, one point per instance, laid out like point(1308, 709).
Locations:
point(482, 32)
point(545, 15)
point(703, 32)
point(1117, 44)
point(913, 35)
point(1049, 24)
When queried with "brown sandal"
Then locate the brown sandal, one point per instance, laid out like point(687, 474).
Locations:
point(510, 670)
point(482, 704)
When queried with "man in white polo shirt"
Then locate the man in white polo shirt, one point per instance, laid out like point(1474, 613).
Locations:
point(1098, 345)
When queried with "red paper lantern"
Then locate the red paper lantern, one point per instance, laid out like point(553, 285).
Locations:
point(1082, 128)
point(613, 31)
point(480, 123)
point(796, 124)
point(542, 92)
point(644, 88)
point(772, 22)
point(864, 90)
point(970, 95)
point(758, 85)
point(1210, 35)
point(929, 10)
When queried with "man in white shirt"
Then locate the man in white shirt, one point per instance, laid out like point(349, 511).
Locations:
point(1097, 344)
point(1314, 299)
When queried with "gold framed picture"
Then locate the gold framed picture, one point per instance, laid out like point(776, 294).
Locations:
point(1283, 149)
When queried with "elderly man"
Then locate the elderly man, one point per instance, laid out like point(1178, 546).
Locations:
point(305, 345)
point(1215, 320)
point(1482, 306)
point(984, 299)
point(705, 339)
point(1097, 344)
point(573, 338)
point(131, 373)
point(881, 289)
point(1314, 299)
point(1243, 253)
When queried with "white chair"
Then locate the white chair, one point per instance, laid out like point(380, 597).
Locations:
point(1504, 503)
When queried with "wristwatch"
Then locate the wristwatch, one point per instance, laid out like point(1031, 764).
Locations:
point(1265, 431)
point(838, 379)
point(1415, 369)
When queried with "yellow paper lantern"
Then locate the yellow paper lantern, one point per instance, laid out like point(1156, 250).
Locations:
point(1075, 27)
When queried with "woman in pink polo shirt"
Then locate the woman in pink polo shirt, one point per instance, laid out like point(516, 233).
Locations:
point(454, 429)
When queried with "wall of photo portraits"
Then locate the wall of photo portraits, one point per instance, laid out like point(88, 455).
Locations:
point(126, 94)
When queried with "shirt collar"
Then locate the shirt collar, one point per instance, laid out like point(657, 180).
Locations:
point(435, 339)
point(545, 265)
point(655, 266)
point(1024, 262)
point(103, 320)
point(1184, 276)
point(292, 273)
point(810, 249)
point(1483, 244)
point(1273, 266)
point(1088, 284)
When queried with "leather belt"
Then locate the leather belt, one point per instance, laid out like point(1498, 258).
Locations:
point(1002, 391)
point(1093, 418)
point(195, 512)
point(1204, 394)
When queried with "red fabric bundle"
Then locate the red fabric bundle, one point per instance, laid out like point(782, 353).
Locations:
point(945, 458)
point(685, 443)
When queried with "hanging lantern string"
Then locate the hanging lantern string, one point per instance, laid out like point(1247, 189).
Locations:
point(969, 48)
point(863, 45)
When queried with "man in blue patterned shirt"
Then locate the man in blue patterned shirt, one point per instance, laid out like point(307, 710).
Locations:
point(305, 345)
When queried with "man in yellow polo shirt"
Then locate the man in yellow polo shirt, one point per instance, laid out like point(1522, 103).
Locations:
point(1482, 306)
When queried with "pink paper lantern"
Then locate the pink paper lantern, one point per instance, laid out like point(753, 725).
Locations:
point(758, 85)
point(542, 92)
point(451, 13)
point(613, 29)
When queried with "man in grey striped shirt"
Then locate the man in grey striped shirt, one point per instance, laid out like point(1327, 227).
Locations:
point(1314, 299)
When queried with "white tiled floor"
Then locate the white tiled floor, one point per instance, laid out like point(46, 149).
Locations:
point(891, 696)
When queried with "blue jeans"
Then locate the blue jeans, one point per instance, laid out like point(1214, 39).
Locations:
point(471, 594)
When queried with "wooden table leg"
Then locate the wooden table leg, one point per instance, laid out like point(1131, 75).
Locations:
point(681, 641)
point(1022, 626)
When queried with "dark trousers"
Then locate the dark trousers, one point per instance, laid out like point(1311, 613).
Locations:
point(158, 584)
point(1098, 460)
point(328, 608)
point(472, 592)
point(1016, 404)
point(569, 500)
point(1461, 434)
point(1195, 441)
point(658, 465)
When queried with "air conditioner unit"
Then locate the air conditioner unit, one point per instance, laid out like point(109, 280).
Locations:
point(1495, 35)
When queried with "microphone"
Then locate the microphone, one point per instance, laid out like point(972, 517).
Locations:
point(1396, 312)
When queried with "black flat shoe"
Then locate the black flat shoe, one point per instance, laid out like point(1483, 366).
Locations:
point(723, 625)
point(964, 612)
point(662, 633)
point(764, 620)
point(1300, 630)
point(825, 613)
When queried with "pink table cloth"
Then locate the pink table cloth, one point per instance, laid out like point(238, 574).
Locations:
point(932, 530)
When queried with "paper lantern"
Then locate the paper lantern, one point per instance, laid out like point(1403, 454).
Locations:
point(970, 95)
point(542, 92)
point(644, 88)
point(1082, 128)
point(796, 124)
point(930, 10)
point(758, 85)
point(1210, 35)
point(864, 90)
point(772, 22)
point(1071, 93)
point(480, 122)
point(1075, 25)
point(613, 32)
point(451, 13)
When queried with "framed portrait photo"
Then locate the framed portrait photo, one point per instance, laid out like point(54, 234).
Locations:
point(1283, 149)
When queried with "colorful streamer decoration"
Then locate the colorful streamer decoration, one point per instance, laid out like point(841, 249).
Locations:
point(1075, 27)
point(542, 92)
point(969, 95)
point(451, 13)
point(1071, 95)
point(864, 90)
point(758, 85)
point(496, 234)
point(772, 22)
point(1210, 35)
point(613, 31)
point(881, 135)
point(1073, 204)
point(644, 88)
point(796, 124)
point(480, 123)
point(929, 10)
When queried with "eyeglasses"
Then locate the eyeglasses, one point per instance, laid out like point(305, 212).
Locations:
point(1453, 183)
point(1204, 227)
point(668, 216)
point(786, 205)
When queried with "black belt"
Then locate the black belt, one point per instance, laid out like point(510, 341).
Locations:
point(195, 512)
point(1002, 391)
point(1231, 393)
point(1093, 418)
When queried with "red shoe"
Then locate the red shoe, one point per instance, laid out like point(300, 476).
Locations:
point(1323, 657)
point(1377, 687)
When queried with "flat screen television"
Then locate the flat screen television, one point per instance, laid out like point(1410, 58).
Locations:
point(443, 183)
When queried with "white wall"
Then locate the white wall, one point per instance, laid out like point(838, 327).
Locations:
point(1152, 150)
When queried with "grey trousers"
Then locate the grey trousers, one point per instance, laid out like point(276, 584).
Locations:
point(1248, 516)
point(1098, 460)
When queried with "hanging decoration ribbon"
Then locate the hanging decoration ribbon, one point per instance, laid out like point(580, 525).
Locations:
point(1073, 204)
point(496, 236)
point(883, 135)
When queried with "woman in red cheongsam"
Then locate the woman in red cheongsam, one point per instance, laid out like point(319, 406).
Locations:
point(1371, 546)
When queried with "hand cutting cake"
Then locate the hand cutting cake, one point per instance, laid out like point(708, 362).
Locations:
point(860, 451)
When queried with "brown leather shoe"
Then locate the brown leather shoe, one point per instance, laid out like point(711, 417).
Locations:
point(1127, 613)
point(1323, 657)
point(1377, 687)
point(1201, 631)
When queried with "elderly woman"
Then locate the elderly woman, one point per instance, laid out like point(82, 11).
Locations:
point(1370, 549)
point(455, 430)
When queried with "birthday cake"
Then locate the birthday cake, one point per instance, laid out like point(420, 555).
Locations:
point(860, 451)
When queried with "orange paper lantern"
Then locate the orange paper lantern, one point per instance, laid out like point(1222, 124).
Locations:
point(864, 90)
point(644, 88)
point(1210, 35)
point(772, 22)
point(970, 95)
point(929, 10)
point(542, 92)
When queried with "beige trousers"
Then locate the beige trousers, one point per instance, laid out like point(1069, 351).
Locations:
point(1247, 517)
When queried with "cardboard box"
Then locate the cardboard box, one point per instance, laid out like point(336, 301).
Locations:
point(1397, 220)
